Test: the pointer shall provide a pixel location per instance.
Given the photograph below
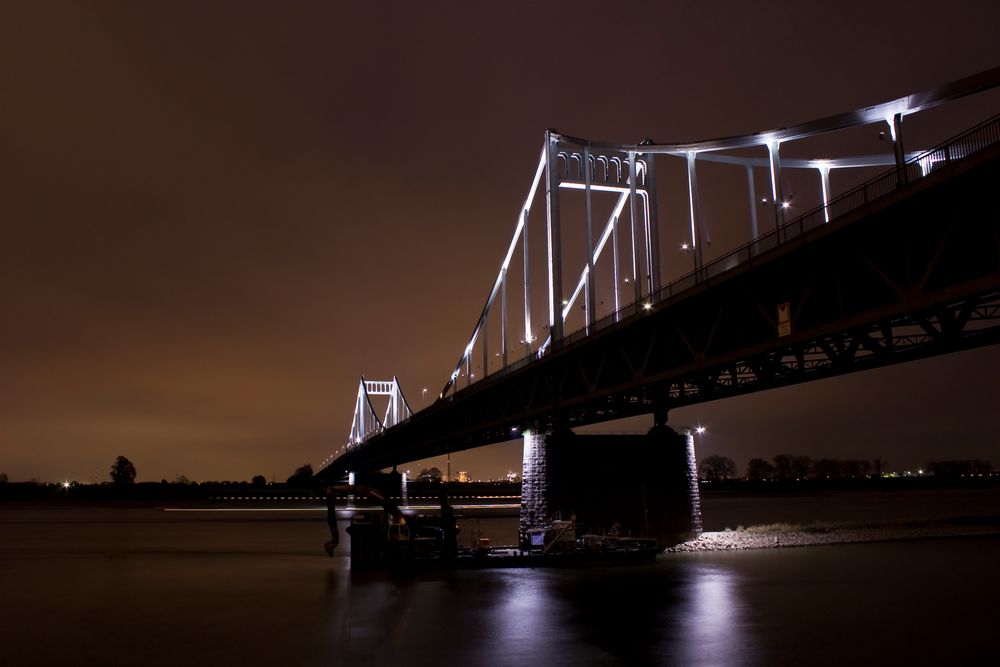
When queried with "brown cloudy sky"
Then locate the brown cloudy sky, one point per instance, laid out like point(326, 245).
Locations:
point(216, 215)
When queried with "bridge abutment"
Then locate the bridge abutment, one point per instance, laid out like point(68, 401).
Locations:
point(646, 484)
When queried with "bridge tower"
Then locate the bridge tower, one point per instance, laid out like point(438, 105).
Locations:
point(366, 421)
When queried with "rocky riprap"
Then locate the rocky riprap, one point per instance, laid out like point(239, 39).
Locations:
point(782, 536)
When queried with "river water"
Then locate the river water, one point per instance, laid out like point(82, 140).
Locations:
point(150, 587)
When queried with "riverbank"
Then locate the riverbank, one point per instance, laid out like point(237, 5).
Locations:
point(786, 535)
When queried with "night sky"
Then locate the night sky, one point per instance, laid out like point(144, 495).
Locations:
point(216, 215)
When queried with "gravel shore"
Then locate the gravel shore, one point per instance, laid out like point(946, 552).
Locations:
point(782, 536)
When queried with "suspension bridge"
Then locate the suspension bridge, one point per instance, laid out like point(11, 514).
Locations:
point(900, 267)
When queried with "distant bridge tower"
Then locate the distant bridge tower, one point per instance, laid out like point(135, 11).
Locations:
point(366, 421)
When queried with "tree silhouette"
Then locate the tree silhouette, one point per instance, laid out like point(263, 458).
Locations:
point(430, 475)
point(122, 472)
point(302, 476)
point(828, 468)
point(715, 468)
point(788, 466)
point(758, 469)
point(259, 480)
point(800, 466)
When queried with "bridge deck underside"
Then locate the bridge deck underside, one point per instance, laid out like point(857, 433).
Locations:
point(915, 275)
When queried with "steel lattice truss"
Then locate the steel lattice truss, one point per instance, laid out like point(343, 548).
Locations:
point(948, 326)
point(964, 324)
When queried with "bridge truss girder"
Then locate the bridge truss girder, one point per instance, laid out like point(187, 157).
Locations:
point(914, 275)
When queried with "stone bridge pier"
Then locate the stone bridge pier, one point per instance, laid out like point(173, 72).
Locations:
point(647, 484)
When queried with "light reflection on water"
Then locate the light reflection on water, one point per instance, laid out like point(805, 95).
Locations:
point(520, 619)
point(711, 615)
point(670, 613)
point(901, 603)
point(204, 590)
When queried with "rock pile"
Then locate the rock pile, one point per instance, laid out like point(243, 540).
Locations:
point(751, 538)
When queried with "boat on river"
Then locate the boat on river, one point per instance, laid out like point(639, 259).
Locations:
point(415, 545)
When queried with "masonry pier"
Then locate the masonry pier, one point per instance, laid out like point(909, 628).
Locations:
point(643, 485)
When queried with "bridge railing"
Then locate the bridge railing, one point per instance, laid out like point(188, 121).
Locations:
point(971, 141)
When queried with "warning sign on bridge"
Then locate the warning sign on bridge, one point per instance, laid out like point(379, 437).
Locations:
point(784, 319)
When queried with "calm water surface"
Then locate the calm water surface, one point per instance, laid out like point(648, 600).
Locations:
point(146, 587)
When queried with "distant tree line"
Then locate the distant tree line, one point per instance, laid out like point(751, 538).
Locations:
point(789, 467)
point(123, 474)
point(785, 467)
point(717, 468)
point(714, 468)
point(959, 468)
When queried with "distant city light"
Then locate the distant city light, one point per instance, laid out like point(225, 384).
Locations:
point(684, 246)
point(65, 485)
point(647, 306)
point(785, 204)
point(699, 430)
